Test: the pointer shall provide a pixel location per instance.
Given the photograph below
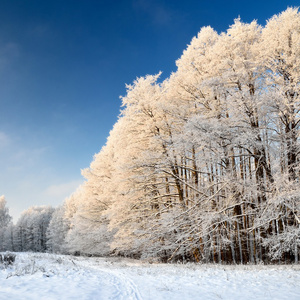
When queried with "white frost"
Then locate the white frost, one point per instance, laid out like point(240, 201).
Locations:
point(45, 276)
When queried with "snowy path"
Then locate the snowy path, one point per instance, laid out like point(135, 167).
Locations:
point(66, 278)
point(44, 276)
point(125, 287)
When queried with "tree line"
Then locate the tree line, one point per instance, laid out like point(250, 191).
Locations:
point(204, 165)
point(30, 231)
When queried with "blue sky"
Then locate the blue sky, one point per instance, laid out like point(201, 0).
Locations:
point(63, 66)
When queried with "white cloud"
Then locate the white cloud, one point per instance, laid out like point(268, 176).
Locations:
point(28, 156)
point(29, 177)
point(4, 140)
point(8, 53)
point(160, 14)
point(39, 30)
point(63, 190)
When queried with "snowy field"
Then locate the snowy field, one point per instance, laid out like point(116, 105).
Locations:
point(47, 276)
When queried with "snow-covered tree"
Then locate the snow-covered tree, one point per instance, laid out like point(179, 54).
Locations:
point(203, 166)
point(5, 221)
point(57, 231)
point(31, 228)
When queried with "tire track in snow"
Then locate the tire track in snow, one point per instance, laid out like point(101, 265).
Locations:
point(126, 288)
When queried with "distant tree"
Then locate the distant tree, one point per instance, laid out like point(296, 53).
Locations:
point(5, 221)
point(31, 228)
point(57, 231)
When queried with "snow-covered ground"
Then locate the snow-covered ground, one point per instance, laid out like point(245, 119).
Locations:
point(47, 276)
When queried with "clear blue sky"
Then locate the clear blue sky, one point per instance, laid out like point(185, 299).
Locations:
point(63, 66)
